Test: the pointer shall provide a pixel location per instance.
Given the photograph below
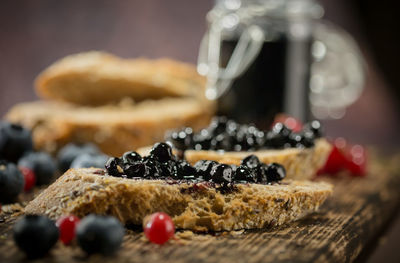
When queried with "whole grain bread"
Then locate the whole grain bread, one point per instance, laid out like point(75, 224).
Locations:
point(115, 129)
point(98, 78)
point(200, 208)
point(300, 163)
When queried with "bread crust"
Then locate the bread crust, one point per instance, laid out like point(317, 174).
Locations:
point(115, 129)
point(98, 78)
point(82, 191)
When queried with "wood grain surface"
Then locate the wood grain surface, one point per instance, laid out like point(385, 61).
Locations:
point(345, 229)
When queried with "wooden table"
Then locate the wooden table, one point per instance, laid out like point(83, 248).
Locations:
point(345, 229)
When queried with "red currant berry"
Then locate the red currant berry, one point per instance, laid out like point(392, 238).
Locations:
point(67, 226)
point(356, 160)
point(290, 122)
point(29, 177)
point(160, 228)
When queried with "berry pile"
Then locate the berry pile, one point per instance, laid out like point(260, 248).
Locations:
point(227, 135)
point(162, 164)
point(36, 235)
point(20, 166)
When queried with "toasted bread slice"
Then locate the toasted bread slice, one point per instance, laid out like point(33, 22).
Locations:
point(300, 163)
point(115, 129)
point(97, 78)
point(202, 208)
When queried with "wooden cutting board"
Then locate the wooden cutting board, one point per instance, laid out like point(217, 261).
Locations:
point(346, 228)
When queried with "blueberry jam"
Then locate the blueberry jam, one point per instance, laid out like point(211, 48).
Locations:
point(227, 135)
point(162, 164)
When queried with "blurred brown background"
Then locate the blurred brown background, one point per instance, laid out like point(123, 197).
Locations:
point(34, 34)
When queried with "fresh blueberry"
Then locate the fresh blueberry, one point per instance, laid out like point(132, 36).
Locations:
point(42, 164)
point(14, 141)
point(87, 160)
point(251, 161)
point(222, 174)
point(201, 141)
point(35, 235)
point(275, 172)
point(11, 182)
point(161, 152)
point(69, 152)
point(114, 167)
point(244, 173)
point(204, 167)
point(99, 234)
point(131, 157)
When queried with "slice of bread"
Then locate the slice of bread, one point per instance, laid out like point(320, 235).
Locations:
point(115, 129)
point(98, 78)
point(300, 163)
point(201, 208)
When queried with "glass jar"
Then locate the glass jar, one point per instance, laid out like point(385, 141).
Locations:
point(263, 57)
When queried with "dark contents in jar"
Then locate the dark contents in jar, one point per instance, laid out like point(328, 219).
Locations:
point(162, 164)
point(228, 135)
point(266, 87)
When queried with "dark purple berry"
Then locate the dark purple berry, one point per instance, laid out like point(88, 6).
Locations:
point(35, 235)
point(137, 169)
point(222, 174)
point(275, 172)
point(131, 157)
point(204, 167)
point(42, 164)
point(153, 169)
point(114, 167)
point(100, 234)
point(315, 128)
point(251, 161)
point(161, 152)
point(185, 169)
point(11, 182)
point(15, 141)
point(260, 174)
point(71, 151)
point(245, 174)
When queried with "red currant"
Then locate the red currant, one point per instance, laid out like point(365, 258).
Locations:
point(356, 160)
point(29, 177)
point(160, 228)
point(290, 122)
point(67, 226)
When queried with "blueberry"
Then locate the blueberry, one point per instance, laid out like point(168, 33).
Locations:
point(87, 160)
point(185, 169)
point(218, 125)
point(201, 141)
point(99, 234)
point(11, 182)
point(244, 173)
point(114, 167)
point(181, 139)
point(42, 164)
point(152, 167)
point(137, 169)
point(161, 152)
point(251, 161)
point(35, 235)
point(204, 167)
point(14, 141)
point(275, 172)
point(315, 128)
point(131, 157)
point(221, 174)
point(69, 152)
point(260, 173)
